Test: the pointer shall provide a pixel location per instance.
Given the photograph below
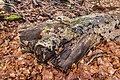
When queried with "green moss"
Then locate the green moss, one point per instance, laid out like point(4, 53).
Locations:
point(46, 28)
point(77, 21)
point(13, 17)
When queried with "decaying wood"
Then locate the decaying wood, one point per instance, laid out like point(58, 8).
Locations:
point(76, 37)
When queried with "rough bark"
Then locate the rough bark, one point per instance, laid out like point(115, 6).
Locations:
point(76, 38)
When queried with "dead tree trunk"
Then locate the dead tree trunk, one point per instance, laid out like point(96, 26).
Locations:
point(76, 38)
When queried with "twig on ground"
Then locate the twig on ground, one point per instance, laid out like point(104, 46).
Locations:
point(16, 10)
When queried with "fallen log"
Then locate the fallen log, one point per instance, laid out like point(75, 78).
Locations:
point(76, 37)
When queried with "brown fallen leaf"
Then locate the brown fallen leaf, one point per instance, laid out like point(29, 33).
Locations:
point(47, 75)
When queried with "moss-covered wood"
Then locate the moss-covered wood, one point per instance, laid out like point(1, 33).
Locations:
point(75, 38)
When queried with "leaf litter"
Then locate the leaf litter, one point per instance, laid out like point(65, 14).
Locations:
point(16, 65)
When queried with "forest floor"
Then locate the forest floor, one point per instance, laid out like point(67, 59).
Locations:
point(14, 65)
